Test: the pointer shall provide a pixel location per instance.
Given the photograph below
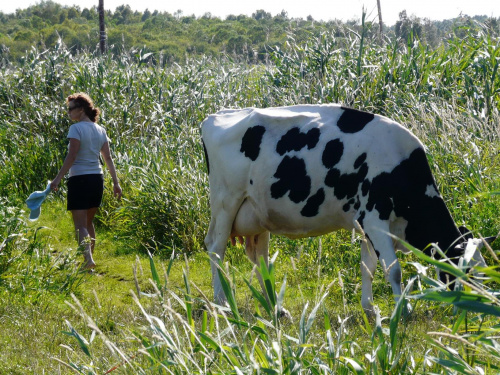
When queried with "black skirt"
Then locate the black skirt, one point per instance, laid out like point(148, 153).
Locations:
point(85, 191)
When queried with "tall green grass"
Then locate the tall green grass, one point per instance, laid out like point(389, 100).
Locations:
point(184, 332)
point(448, 96)
point(30, 268)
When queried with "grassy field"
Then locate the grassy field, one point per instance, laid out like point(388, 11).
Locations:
point(147, 307)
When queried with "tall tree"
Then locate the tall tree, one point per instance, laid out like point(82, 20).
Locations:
point(102, 27)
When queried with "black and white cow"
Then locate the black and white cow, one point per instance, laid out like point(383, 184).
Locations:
point(307, 170)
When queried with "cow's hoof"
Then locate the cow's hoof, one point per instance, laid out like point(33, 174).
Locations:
point(370, 312)
point(407, 311)
point(284, 314)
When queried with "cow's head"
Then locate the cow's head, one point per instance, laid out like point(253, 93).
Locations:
point(471, 246)
point(468, 248)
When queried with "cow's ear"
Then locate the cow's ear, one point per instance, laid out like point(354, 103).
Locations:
point(490, 240)
point(465, 232)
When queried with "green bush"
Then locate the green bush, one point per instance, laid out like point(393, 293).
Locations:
point(165, 202)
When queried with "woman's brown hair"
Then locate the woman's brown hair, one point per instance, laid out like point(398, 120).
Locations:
point(83, 100)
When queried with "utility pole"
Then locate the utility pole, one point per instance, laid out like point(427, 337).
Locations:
point(379, 19)
point(102, 28)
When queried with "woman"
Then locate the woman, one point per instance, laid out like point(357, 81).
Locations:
point(86, 183)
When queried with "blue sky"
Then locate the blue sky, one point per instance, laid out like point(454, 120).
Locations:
point(319, 9)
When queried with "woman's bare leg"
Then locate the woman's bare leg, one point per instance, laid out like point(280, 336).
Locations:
point(90, 226)
point(82, 234)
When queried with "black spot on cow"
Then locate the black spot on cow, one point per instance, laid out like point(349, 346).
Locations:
point(360, 160)
point(311, 208)
point(361, 218)
point(346, 185)
point(332, 153)
point(348, 205)
point(353, 121)
point(332, 178)
point(403, 191)
point(384, 206)
point(251, 182)
point(365, 187)
point(357, 205)
point(250, 143)
point(352, 202)
point(295, 140)
point(362, 172)
point(293, 178)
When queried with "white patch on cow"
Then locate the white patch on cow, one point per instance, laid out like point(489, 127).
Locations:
point(431, 192)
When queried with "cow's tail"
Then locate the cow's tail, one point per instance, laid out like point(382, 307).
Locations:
point(206, 156)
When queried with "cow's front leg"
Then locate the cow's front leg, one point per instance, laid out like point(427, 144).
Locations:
point(377, 232)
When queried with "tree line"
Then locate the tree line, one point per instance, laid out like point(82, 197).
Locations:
point(173, 36)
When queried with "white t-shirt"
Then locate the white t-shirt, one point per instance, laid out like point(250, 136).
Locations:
point(92, 137)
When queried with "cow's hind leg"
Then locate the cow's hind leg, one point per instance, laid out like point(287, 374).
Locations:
point(257, 247)
point(216, 240)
